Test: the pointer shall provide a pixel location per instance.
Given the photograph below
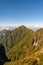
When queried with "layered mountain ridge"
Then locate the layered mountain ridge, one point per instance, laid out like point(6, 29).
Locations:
point(22, 46)
point(13, 27)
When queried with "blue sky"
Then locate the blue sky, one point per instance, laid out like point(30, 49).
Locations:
point(21, 12)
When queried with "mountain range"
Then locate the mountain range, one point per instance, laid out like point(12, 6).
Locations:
point(13, 27)
point(23, 45)
point(3, 29)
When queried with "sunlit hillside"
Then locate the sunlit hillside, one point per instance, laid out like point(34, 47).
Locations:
point(23, 46)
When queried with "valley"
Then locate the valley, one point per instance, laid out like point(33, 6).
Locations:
point(23, 46)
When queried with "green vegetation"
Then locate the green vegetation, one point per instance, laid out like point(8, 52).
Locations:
point(23, 46)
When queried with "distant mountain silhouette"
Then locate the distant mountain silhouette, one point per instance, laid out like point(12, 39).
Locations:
point(3, 57)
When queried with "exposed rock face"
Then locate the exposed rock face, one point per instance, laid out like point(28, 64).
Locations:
point(35, 43)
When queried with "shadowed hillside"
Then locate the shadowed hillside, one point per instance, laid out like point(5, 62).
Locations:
point(13, 37)
point(3, 57)
point(23, 46)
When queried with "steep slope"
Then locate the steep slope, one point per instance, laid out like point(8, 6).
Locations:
point(23, 48)
point(13, 37)
point(10, 38)
point(26, 52)
point(38, 37)
point(34, 59)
